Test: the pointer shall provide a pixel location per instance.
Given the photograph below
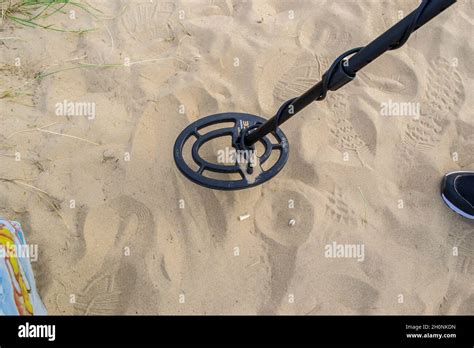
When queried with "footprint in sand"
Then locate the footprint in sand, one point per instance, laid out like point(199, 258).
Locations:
point(442, 100)
point(346, 137)
point(338, 209)
point(323, 34)
point(337, 102)
point(279, 83)
point(300, 77)
point(352, 123)
point(118, 80)
point(352, 129)
point(281, 202)
point(216, 8)
point(459, 296)
point(355, 295)
point(376, 268)
point(420, 135)
point(382, 275)
point(148, 21)
point(120, 281)
point(445, 92)
point(124, 38)
point(286, 76)
point(464, 241)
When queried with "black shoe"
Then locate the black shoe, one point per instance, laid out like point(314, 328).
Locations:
point(457, 190)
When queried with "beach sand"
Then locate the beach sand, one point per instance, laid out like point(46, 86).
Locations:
point(119, 229)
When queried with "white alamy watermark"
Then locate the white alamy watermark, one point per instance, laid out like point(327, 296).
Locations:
point(393, 108)
point(11, 250)
point(354, 251)
point(233, 156)
point(28, 330)
point(70, 108)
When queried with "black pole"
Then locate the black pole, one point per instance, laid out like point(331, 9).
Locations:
point(345, 72)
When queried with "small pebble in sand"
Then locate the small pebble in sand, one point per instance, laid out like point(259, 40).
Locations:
point(243, 217)
point(292, 222)
point(108, 155)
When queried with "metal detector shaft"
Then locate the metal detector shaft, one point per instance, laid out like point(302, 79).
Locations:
point(345, 72)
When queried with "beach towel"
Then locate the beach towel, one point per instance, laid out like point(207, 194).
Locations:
point(18, 293)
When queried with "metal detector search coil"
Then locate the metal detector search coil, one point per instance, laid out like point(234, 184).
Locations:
point(242, 123)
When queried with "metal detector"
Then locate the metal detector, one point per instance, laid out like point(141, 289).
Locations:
point(247, 129)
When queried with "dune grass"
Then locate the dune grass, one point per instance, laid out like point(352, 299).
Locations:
point(31, 13)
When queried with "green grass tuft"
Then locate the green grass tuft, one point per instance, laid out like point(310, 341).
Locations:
point(30, 13)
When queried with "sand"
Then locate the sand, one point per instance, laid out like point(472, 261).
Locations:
point(121, 231)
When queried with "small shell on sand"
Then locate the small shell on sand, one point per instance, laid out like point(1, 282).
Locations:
point(292, 222)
